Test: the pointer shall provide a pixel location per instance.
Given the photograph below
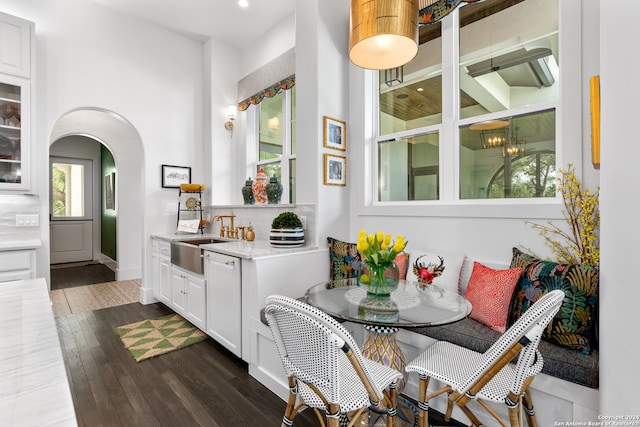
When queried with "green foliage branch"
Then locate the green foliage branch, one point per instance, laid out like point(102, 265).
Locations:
point(286, 220)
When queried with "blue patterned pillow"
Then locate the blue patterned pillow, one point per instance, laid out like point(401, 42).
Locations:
point(344, 259)
point(573, 325)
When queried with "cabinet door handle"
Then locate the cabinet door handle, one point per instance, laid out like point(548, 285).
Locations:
point(227, 264)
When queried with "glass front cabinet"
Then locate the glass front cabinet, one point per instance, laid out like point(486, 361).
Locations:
point(14, 133)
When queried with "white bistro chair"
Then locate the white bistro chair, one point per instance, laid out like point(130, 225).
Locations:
point(326, 370)
point(489, 376)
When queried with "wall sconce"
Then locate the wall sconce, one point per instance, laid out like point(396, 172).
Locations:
point(232, 111)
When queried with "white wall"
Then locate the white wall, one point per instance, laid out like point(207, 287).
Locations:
point(322, 81)
point(90, 56)
point(620, 229)
point(225, 178)
point(273, 43)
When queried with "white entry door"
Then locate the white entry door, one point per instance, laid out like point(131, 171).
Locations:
point(71, 213)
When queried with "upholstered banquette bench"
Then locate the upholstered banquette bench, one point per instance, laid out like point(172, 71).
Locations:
point(570, 349)
point(567, 388)
point(559, 362)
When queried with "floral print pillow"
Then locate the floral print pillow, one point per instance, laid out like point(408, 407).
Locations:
point(344, 260)
point(572, 327)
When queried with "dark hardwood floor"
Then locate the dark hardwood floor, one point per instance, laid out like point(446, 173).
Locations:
point(202, 384)
point(68, 277)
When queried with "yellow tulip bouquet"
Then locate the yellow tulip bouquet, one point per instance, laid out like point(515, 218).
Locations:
point(379, 271)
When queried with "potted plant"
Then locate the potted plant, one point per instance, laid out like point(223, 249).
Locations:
point(286, 231)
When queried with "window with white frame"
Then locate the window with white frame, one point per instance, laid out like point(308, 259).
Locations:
point(496, 105)
point(276, 152)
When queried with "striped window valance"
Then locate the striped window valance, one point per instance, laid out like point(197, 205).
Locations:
point(268, 92)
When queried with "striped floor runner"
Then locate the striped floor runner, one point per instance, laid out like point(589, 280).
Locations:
point(94, 297)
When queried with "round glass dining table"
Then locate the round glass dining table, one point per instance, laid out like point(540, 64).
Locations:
point(410, 305)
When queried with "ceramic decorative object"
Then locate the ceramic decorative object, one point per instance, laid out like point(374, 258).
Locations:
point(287, 237)
point(379, 279)
point(251, 235)
point(274, 190)
point(247, 192)
point(260, 188)
point(383, 310)
point(286, 231)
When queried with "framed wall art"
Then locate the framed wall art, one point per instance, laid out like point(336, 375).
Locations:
point(335, 170)
point(335, 134)
point(173, 176)
point(109, 186)
point(594, 84)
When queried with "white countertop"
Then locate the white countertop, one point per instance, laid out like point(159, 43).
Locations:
point(237, 248)
point(34, 390)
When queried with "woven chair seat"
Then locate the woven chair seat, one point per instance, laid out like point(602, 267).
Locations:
point(325, 367)
point(489, 376)
point(453, 364)
point(353, 395)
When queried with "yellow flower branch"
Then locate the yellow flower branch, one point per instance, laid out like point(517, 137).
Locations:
point(581, 211)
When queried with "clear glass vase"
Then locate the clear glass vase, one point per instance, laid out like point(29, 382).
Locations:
point(379, 279)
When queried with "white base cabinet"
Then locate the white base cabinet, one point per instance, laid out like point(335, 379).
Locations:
point(224, 300)
point(161, 270)
point(17, 265)
point(188, 294)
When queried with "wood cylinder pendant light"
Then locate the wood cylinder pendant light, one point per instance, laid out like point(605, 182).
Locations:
point(383, 33)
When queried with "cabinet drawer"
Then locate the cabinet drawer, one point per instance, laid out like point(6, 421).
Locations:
point(161, 246)
point(8, 276)
point(15, 260)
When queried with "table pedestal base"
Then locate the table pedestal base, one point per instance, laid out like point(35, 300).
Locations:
point(381, 346)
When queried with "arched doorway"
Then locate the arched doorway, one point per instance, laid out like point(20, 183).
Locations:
point(124, 142)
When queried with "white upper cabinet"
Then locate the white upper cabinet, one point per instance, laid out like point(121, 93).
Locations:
point(16, 42)
point(16, 67)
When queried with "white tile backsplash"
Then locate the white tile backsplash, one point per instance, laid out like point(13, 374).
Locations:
point(12, 205)
point(261, 216)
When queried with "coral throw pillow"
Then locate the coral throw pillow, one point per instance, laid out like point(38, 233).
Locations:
point(489, 293)
point(402, 261)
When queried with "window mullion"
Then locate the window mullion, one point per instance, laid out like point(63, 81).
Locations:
point(450, 101)
point(286, 145)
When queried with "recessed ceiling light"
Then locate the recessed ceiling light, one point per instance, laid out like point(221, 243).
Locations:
point(419, 89)
point(243, 3)
point(402, 96)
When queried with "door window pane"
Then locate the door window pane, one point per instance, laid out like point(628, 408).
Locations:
point(508, 55)
point(409, 168)
point(521, 150)
point(67, 185)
